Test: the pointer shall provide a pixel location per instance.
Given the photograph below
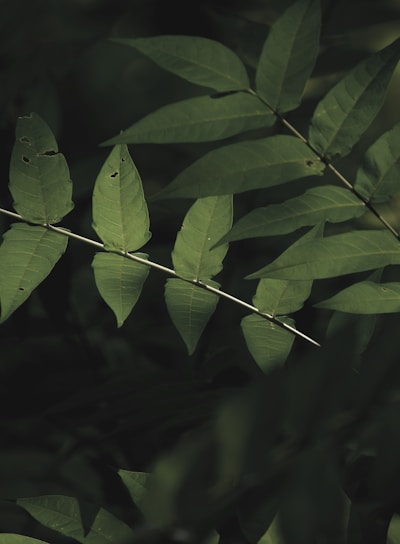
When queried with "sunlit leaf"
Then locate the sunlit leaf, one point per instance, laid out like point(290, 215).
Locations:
point(27, 256)
point(289, 55)
point(334, 256)
point(63, 514)
point(190, 309)
point(120, 215)
point(11, 538)
point(205, 223)
point(39, 177)
point(198, 119)
point(348, 109)
point(378, 177)
point(199, 60)
point(319, 204)
point(366, 297)
point(119, 281)
point(245, 166)
point(268, 343)
point(137, 484)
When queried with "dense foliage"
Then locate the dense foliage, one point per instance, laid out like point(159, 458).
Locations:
point(199, 330)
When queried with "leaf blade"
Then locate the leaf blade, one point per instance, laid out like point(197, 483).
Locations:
point(245, 166)
point(13, 538)
point(334, 256)
point(39, 176)
point(347, 110)
point(199, 60)
point(289, 55)
point(120, 282)
point(120, 215)
point(27, 256)
point(199, 119)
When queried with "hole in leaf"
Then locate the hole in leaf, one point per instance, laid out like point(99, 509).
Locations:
point(26, 159)
point(25, 140)
point(122, 159)
point(114, 175)
point(49, 153)
point(21, 289)
point(309, 163)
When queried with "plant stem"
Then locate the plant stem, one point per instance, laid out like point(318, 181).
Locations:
point(170, 272)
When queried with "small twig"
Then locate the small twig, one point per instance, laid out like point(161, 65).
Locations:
point(170, 272)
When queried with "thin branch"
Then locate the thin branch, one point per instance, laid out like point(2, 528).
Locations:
point(170, 272)
point(329, 165)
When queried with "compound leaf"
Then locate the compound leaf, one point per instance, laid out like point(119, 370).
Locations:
point(378, 177)
point(334, 256)
point(190, 309)
point(199, 60)
point(137, 484)
point(120, 215)
point(64, 514)
point(245, 166)
point(27, 256)
point(319, 204)
point(205, 223)
point(289, 55)
point(119, 281)
point(366, 297)
point(198, 119)
point(268, 343)
point(348, 109)
point(39, 177)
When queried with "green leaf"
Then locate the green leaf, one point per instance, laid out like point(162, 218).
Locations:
point(137, 484)
point(27, 256)
point(207, 221)
point(245, 166)
point(39, 177)
point(120, 215)
point(12, 538)
point(320, 204)
point(190, 309)
point(119, 281)
point(348, 109)
point(198, 119)
point(393, 534)
point(63, 514)
point(199, 60)
point(334, 256)
point(366, 297)
point(378, 177)
point(268, 343)
point(289, 55)
point(273, 535)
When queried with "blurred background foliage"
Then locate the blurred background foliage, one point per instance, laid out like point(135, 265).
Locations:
point(80, 397)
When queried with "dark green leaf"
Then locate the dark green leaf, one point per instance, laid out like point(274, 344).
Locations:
point(199, 119)
point(348, 109)
point(245, 166)
point(199, 60)
point(27, 256)
point(289, 55)
point(334, 256)
point(39, 175)
point(119, 281)
point(366, 297)
point(378, 177)
point(137, 484)
point(8, 538)
point(120, 215)
point(393, 534)
point(320, 204)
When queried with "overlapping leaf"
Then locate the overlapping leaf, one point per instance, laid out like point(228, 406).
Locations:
point(245, 166)
point(199, 60)
point(27, 256)
point(319, 204)
point(137, 484)
point(366, 297)
point(63, 514)
point(348, 109)
point(119, 281)
point(199, 119)
point(378, 178)
point(191, 307)
point(334, 256)
point(289, 55)
point(39, 177)
point(120, 215)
